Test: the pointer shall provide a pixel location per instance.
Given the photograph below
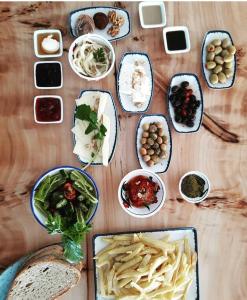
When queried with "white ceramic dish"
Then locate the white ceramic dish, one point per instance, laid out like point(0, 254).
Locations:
point(111, 112)
point(123, 81)
point(161, 4)
point(41, 219)
point(174, 233)
point(47, 31)
point(207, 187)
point(187, 38)
point(162, 166)
point(143, 212)
point(91, 11)
point(197, 91)
point(209, 37)
point(96, 38)
point(48, 96)
point(45, 87)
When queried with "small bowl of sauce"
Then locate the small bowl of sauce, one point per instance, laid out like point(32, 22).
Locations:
point(176, 39)
point(48, 43)
point(48, 109)
point(48, 75)
point(152, 14)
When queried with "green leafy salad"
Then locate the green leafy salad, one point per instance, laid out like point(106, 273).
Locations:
point(67, 199)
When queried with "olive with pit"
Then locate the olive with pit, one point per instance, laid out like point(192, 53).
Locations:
point(143, 141)
point(145, 126)
point(224, 53)
point(153, 136)
point(217, 69)
point(217, 50)
point(150, 151)
point(143, 151)
point(150, 163)
point(210, 56)
point(216, 42)
point(213, 78)
point(145, 134)
point(210, 48)
point(228, 65)
point(219, 60)
point(228, 73)
point(150, 141)
point(228, 58)
point(231, 49)
point(210, 65)
point(222, 77)
point(153, 128)
point(226, 43)
point(146, 158)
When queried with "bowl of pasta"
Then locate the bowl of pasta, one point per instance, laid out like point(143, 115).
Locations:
point(91, 57)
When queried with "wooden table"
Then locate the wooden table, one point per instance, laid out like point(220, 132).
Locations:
point(218, 149)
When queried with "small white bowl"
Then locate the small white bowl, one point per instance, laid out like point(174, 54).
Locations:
point(187, 38)
point(99, 39)
point(207, 187)
point(138, 212)
point(47, 31)
point(47, 96)
point(50, 87)
point(162, 9)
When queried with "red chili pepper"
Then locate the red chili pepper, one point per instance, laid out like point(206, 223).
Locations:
point(69, 191)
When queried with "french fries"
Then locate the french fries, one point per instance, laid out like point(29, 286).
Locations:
point(138, 267)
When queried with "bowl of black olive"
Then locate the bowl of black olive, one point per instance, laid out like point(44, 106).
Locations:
point(185, 102)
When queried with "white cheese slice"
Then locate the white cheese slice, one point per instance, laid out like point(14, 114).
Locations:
point(106, 146)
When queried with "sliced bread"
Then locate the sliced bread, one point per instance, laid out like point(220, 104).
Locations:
point(44, 280)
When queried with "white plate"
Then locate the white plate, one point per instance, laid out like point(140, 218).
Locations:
point(209, 37)
point(162, 166)
point(125, 100)
point(197, 91)
point(175, 233)
point(91, 11)
point(111, 112)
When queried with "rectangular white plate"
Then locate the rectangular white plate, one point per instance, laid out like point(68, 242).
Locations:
point(175, 234)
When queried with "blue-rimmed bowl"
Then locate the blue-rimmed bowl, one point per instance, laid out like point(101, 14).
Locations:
point(125, 29)
point(194, 84)
point(40, 218)
point(142, 212)
point(163, 165)
point(122, 83)
point(111, 111)
point(209, 37)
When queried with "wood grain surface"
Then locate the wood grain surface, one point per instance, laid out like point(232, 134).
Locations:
point(218, 149)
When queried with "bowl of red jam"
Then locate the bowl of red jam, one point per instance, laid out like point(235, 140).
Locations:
point(141, 193)
point(48, 109)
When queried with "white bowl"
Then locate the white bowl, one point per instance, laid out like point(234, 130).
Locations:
point(47, 96)
point(99, 39)
point(138, 212)
point(49, 87)
point(47, 31)
point(207, 187)
point(187, 38)
point(162, 9)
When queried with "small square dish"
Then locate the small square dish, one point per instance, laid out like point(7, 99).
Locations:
point(176, 39)
point(48, 75)
point(48, 109)
point(152, 14)
point(131, 275)
point(48, 43)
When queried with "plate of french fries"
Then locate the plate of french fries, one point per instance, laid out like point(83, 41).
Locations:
point(158, 265)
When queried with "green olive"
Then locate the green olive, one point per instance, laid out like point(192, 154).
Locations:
point(159, 125)
point(216, 42)
point(224, 53)
point(163, 154)
point(217, 50)
point(159, 140)
point(146, 146)
point(157, 151)
point(161, 132)
point(210, 65)
point(150, 151)
point(150, 141)
point(152, 128)
point(145, 126)
point(143, 151)
point(228, 58)
point(164, 139)
point(219, 60)
point(145, 134)
point(155, 158)
point(153, 136)
point(222, 77)
point(143, 141)
point(217, 69)
point(150, 163)
point(213, 78)
point(210, 48)
point(226, 43)
point(163, 147)
point(228, 73)
point(231, 49)
point(146, 158)
point(210, 56)
point(228, 65)
point(156, 146)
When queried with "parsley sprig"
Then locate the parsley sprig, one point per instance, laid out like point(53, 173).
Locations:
point(99, 55)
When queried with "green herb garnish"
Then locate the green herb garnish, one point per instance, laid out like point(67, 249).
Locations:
point(99, 55)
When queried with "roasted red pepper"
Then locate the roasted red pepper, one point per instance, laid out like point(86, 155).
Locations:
point(69, 191)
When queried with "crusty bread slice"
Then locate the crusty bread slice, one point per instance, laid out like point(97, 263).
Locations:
point(44, 280)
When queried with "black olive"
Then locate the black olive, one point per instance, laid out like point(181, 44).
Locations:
point(190, 123)
point(180, 91)
point(178, 110)
point(175, 88)
point(178, 119)
point(198, 103)
point(192, 98)
point(189, 112)
point(177, 103)
point(194, 110)
point(185, 84)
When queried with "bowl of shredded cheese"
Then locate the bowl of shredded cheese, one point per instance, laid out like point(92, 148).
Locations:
point(91, 57)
